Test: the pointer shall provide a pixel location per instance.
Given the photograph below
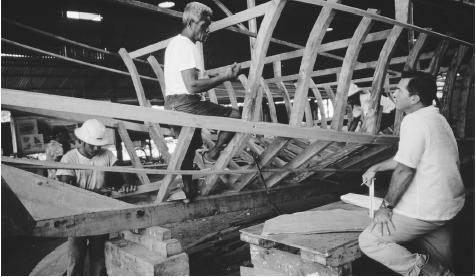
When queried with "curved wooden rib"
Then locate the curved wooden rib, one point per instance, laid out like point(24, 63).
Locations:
point(345, 76)
point(451, 79)
point(282, 87)
point(410, 64)
point(370, 121)
point(159, 72)
point(463, 100)
point(154, 129)
point(259, 52)
point(229, 13)
point(438, 55)
point(330, 94)
point(308, 60)
point(231, 94)
point(320, 103)
point(269, 97)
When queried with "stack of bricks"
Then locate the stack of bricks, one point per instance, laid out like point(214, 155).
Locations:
point(150, 251)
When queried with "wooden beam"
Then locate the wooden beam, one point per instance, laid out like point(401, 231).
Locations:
point(231, 94)
point(410, 64)
point(307, 64)
point(229, 13)
point(384, 19)
point(175, 162)
point(159, 72)
point(16, 98)
point(16, 220)
point(347, 70)
point(252, 24)
point(269, 97)
point(132, 152)
point(370, 121)
point(320, 103)
point(437, 59)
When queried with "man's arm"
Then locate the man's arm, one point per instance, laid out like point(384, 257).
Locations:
point(126, 187)
point(401, 179)
point(389, 164)
point(196, 85)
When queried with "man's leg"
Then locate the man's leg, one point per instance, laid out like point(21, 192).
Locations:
point(387, 249)
point(76, 253)
point(187, 164)
point(223, 138)
point(97, 265)
point(439, 245)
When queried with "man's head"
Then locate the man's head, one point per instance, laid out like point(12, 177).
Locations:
point(415, 90)
point(93, 136)
point(197, 17)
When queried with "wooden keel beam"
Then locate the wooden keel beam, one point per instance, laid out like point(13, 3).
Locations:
point(132, 152)
point(345, 76)
point(410, 64)
point(308, 60)
point(184, 139)
point(370, 121)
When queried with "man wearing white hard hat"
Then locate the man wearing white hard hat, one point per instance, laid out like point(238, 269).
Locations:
point(92, 135)
point(361, 101)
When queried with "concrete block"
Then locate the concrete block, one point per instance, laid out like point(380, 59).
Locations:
point(166, 248)
point(132, 257)
point(157, 232)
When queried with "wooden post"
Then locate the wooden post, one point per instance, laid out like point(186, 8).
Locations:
point(345, 76)
point(132, 152)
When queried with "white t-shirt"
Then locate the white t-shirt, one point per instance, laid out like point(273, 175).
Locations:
point(181, 54)
point(427, 143)
point(87, 179)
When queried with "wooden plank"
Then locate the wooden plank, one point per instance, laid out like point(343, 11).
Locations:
point(451, 79)
point(132, 152)
point(347, 70)
point(468, 87)
point(109, 221)
point(369, 124)
point(47, 198)
point(16, 98)
point(229, 13)
point(155, 133)
point(16, 220)
point(410, 64)
point(384, 19)
point(308, 60)
point(259, 52)
point(175, 162)
point(305, 155)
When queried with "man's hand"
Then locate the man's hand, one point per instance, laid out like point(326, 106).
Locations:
point(369, 174)
point(383, 221)
point(127, 188)
point(232, 72)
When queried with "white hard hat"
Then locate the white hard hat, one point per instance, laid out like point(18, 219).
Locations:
point(93, 132)
point(353, 89)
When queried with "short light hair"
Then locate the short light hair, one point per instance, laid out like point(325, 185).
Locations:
point(195, 11)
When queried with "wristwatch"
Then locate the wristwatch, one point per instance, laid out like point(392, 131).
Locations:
point(387, 205)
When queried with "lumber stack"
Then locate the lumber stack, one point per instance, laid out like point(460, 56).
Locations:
point(150, 251)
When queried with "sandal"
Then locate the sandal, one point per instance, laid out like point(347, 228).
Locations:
point(206, 162)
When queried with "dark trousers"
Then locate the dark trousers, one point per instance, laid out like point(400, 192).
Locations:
point(78, 247)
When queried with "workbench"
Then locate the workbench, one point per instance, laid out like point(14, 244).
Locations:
point(296, 254)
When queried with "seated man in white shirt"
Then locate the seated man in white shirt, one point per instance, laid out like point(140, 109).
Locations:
point(426, 190)
point(182, 67)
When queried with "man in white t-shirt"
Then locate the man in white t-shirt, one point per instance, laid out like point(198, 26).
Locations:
point(183, 67)
point(92, 135)
point(426, 189)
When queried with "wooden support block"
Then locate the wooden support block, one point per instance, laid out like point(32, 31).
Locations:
point(132, 257)
point(260, 271)
point(159, 233)
point(291, 264)
point(247, 271)
point(165, 248)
